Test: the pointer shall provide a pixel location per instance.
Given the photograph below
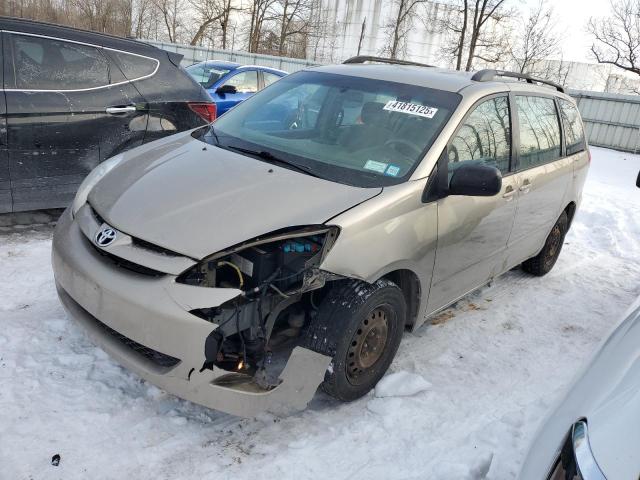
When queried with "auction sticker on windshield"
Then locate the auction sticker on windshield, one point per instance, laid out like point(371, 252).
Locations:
point(376, 166)
point(410, 108)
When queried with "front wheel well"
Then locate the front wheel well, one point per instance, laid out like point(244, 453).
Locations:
point(409, 283)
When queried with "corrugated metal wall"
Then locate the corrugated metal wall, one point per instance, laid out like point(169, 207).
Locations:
point(611, 120)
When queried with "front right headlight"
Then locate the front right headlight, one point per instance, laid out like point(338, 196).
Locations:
point(91, 180)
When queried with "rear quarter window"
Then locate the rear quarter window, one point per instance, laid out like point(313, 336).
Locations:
point(573, 128)
point(134, 66)
point(270, 78)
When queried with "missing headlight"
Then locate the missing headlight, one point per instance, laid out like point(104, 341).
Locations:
point(276, 274)
point(280, 260)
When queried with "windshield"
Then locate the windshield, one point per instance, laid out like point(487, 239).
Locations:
point(206, 75)
point(351, 130)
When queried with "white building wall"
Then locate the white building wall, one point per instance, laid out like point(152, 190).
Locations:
point(345, 18)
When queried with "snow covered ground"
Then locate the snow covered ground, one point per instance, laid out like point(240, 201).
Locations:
point(468, 392)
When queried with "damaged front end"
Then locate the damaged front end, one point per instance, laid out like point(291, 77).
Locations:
point(230, 324)
point(281, 285)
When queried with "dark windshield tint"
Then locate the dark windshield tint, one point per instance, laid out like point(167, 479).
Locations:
point(347, 129)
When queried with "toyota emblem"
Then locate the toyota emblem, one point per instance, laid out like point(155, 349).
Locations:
point(105, 237)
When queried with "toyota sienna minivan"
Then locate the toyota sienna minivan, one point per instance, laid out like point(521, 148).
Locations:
point(293, 241)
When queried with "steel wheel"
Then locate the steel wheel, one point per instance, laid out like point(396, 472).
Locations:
point(555, 241)
point(544, 261)
point(368, 343)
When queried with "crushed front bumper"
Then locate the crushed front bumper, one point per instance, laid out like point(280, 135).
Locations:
point(145, 324)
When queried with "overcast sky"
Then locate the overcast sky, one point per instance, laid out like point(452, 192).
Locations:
point(572, 17)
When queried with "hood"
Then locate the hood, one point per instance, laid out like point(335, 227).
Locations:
point(196, 199)
point(606, 394)
point(613, 420)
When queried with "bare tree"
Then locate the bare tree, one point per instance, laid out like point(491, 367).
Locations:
point(260, 12)
point(224, 22)
point(294, 20)
point(537, 41)
point(475, 29)
point(142, 11)
point(206, 12)
point(617, 37)
point(321, 32)
point(171, 12)
point(398, 27)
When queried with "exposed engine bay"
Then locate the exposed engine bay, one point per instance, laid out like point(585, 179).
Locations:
point(281, 287)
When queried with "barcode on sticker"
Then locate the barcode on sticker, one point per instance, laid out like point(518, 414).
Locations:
point(410, 108)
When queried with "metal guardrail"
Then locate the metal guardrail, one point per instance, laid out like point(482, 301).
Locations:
point(611, 120)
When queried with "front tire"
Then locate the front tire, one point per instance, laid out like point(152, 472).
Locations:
point(542, 263)
point(360, 326)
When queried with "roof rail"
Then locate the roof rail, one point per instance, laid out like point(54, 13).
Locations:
point(367, 58)
point(490, 74)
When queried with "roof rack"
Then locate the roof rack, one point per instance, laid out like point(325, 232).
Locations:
point(367, 58)
point(490, 74)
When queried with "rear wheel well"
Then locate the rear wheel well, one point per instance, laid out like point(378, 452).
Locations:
point(571, 210)
point(409, 283)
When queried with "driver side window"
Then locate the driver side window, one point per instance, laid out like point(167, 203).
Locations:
point(245, 82)
point(484, 137)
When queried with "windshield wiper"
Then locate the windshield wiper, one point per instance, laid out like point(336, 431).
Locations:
point(215, 135)
point(271, 158)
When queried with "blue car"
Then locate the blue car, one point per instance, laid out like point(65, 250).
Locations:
point(230, 83)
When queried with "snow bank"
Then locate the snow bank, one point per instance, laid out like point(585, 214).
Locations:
point(401, 384)
point(496, 362)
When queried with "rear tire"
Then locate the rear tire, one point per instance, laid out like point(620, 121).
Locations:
point(360, 326)
point(542, 263)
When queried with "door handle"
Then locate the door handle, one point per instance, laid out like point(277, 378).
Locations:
point(118, 110)
point(508, 193)
point(526, 186)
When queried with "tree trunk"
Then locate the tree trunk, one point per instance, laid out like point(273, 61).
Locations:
point(284, 26)
point(463, 34)
point(201, 31)
point(477, 23)
point(396, 30)
point(252, 25)
point(364, 23)
point(225, 23)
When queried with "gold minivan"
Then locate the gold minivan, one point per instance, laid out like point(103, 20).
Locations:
point(292, 242)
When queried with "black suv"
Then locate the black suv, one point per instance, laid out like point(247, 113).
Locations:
point(73, 98)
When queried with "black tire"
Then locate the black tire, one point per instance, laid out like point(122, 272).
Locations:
point(361, 322)
point(542, 263)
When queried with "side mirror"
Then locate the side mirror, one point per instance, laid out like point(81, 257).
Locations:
point(476, 181)
point(224, 89)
